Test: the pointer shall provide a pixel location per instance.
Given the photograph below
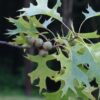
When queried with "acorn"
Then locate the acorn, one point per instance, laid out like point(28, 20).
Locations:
point(30, 40)
point(43, 52)
point(47, 45)
point(38, 42)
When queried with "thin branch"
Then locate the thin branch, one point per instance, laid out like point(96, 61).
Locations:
point(10, 45)
point(81, 25)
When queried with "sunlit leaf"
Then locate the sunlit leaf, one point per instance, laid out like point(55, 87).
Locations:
point(95, 50)
point(20, 40)
point(72, 72)
point(42, 8)
point(91, 13)
point(47, 22)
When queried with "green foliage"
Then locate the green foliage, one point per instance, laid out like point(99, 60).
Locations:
point(22, 26)
point(90, 35)
point(91, 13)
point(42, 70)
point(72, 72)
point(42, 8)
point(79, 60)
point(7, 78)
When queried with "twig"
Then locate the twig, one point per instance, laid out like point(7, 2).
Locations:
point(10, 45)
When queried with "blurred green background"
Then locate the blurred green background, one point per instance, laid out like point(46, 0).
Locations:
point(12, 82)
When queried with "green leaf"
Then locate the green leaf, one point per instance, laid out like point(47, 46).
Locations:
point(42, 71)
point(88, 57)
point(47, 22)
point(20, 40)
point(61, 40)
point(53, 96)
point(42, 8)
point(90, 35)
point(95, 51)
point(64, 61)
point(72, 72)
point(88, 93)
point(83, 93)
point(34, 21)
point(91, 13)
point(22, 26)
point(99, 94)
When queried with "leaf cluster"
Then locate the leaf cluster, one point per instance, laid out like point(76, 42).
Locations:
point(79, 60)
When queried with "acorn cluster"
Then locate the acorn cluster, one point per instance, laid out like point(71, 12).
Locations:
point(42, 47)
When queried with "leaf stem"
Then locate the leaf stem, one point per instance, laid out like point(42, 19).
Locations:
point(50, 32)
point(81, 25)
point(67, 27)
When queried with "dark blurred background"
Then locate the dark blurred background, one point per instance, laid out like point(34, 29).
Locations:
point(12, 63)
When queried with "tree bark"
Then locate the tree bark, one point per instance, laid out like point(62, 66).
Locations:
point(27, 64)
point(28, 68)
point(67, 12)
